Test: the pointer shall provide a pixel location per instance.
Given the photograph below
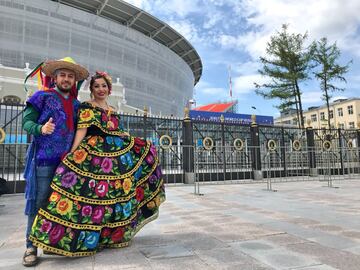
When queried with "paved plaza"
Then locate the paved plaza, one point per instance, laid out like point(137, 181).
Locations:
point(304, 225)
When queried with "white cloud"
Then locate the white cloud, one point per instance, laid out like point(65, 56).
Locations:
point(311, 97)
point(336, 19)
point(209, 92)
point(245, 84)
point(214, 91)
point(246, 68)
point(187, 29)
point(338, 97)
point(180, 8)
point(206, 88)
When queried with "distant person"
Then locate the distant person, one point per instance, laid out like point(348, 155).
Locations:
point(50, 117)
point(105, 190)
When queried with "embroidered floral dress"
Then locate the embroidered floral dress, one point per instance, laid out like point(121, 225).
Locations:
point(103, 192)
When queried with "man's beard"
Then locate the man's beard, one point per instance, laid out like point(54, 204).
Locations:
point(64, 90)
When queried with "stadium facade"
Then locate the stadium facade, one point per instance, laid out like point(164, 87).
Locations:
point(157, 66)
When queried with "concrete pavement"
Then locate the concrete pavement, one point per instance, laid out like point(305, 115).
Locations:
point(304, 225)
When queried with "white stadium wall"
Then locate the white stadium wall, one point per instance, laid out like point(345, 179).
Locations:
point(153, 75)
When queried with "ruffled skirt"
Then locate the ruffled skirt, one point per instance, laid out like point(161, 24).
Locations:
point(102, 194)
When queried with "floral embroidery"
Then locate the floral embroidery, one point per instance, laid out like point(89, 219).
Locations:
point(117, 235)
point(86, 211)
point(101, 189)
point(69, 179)
point(95, 161)
point(46, 226)
point(92, 240)
point(151, 205)
point(106, 165)
point(92, 183)
point(139, 194)
point(127, 209)
point(64, 206)
point(118, 184)
point(98, 214)
point(80, 155)
point(102, 193)
point(56, 233)
point(86, 115)
point(54, 197)
point(127, 185)
point(92, 141)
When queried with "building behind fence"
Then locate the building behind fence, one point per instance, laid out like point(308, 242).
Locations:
point(196, 150)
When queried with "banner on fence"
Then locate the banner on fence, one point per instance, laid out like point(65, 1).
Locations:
point(231, 117)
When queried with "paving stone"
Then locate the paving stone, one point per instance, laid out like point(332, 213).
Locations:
point(55, 262)
point(338, 259)
point(275, 256)
point(166, 252)
point(123, 258)
point(284, 239)
point(302, 226)
point(11, 257)
point(190, 263)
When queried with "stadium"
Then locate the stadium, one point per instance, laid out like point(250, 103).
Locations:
point(156, 65)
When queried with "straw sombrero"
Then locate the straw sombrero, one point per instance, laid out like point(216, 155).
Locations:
point(50, 67)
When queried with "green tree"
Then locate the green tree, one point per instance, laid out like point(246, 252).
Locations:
point(287, 63)
point(326, 57)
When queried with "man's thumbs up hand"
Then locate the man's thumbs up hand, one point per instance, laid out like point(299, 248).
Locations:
point(48, 128)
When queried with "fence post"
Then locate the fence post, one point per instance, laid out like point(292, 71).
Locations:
point(311, 151)
point(188, 149)
point(145, 122)
point(358, 138)
point(283, 150)
point(255, 150)
point(341, 152)
point(222, 122)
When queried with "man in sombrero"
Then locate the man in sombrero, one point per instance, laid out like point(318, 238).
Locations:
point(50, 117)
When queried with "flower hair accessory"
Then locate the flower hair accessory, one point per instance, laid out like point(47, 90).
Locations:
point(104, 74)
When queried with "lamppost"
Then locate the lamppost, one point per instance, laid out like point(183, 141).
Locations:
point(192, 102)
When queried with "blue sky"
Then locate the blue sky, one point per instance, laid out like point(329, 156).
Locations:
point(235, 32)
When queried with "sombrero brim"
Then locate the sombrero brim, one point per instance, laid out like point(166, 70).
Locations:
point(50, 67)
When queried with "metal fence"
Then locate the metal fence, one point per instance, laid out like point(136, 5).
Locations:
point(213, 152)
point(330, 164)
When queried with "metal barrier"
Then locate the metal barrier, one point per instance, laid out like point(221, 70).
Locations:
point(278, 164)
point(13, 146)
point(213, 152)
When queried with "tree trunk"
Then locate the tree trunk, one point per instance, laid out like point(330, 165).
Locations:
point(300, 105)
point(327, 102)
point(297, 109)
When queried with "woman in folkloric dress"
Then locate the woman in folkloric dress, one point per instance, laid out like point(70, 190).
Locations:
point(106, 189)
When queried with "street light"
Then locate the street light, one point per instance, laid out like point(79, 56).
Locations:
point(192, 102)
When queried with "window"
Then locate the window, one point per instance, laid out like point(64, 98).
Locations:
point(351, 125)
point(342, 126)
point(340, 112)
point(322, 116)
point(331, 114)
point(350, 109)
point(313, 118)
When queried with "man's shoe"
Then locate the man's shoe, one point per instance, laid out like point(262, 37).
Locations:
point(30, 257)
